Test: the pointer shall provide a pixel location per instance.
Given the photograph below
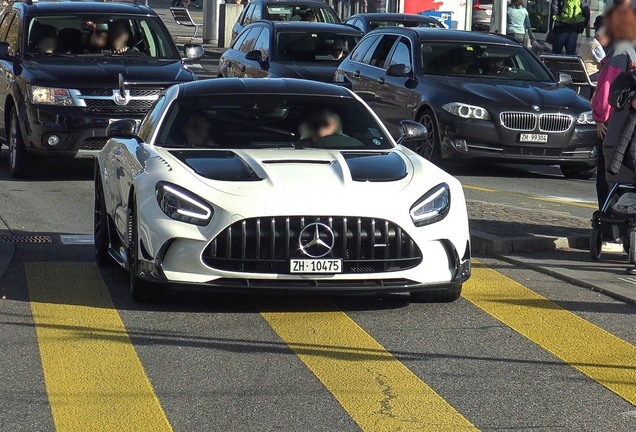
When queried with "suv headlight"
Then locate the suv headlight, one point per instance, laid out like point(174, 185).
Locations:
point(432, 207)
point(585, 118)
point(181, 205)
point(51, 96)
point(466, 111)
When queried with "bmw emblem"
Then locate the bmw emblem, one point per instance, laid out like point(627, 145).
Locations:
point(536, 107)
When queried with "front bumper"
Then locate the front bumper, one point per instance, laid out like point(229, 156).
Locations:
point(484, 140)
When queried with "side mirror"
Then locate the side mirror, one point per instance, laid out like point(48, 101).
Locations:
point(125, 128)
point(193, 52)
point(255, 55)
point(397, 70)
point(5, 50)
point(564, 79)
point(411, 131)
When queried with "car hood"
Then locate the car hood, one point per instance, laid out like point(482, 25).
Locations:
point(509, 94)
point(305, 70)
point(64, 72)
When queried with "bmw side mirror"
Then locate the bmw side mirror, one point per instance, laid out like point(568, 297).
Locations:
point(126, 128)
point(397, 70)
point(564, 79)
point(193, 52)
point(411, 131)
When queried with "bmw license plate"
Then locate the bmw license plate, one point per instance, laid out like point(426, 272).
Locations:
point(536, 138)
point(315, 266)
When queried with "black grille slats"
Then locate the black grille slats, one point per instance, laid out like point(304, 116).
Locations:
point(109, 106)
point(265, 245)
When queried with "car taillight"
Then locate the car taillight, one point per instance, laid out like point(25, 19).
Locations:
point(476, 6)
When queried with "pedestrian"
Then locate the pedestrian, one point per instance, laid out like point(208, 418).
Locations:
point(177, 3)
point(620, 28)
point(593, 51)
point(519, 22)
point(571, 18)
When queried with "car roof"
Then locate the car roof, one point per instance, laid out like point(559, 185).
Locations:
point(292, 2)
point(393, 17)
point(313, 26)
point(261, 86)
point(62, 7)
point(447, 35)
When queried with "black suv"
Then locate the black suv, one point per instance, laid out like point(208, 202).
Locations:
point(71, 68)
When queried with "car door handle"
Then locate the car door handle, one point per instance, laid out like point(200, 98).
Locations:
point(356, 74)
point(381, 80)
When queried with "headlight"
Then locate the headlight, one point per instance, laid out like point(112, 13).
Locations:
point(181, 205)
point(467, 111)
point(51, 96)
point(585, 118)
point(432, 207)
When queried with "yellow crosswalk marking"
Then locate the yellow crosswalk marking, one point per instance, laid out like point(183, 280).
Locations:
point(603, 357)
point(377, 391)
point(93, 376)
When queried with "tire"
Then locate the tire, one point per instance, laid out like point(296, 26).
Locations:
point(100, 225)
point(429, 148)
point(141, 290)
point(18, 158)
point(447, 295)
point(578, 172)
point(632, 246)
point(596, 242)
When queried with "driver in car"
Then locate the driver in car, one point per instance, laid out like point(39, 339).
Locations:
point(196, 131)
point(323, 128)
point(118, 38)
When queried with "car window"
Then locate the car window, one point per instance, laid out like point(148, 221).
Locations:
point(402, 23)
point(377, 55)
point(482, 60)
point(240, 39)
point(314, 46)
point(247, 13)
point(362, 48)
point(151, 120)
point(256, 14)
point(4, 27)
point(13, 35)
point(273, 121)
point(301, 13)
point(96, 35)
point(250, 39)
point(402, 54)
point(262, 43)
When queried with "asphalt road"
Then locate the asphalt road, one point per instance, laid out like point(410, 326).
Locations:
point(519, 351)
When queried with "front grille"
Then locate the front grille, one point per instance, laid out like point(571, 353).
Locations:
point(109, 92)
point(93, 143)
point(96, 92)
point(519, 121)
point(555, 122)
point(265, 245)
point(110, 107)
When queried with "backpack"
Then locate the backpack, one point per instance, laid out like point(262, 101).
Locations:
point(571, 12)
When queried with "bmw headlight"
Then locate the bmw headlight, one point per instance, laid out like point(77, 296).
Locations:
point(466, 111)
point(181, 205)
point(51, 96)
point(432, 207)
point(585, 118)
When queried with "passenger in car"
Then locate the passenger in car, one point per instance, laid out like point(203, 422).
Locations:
point(338, 49)
point(47, 40)
point(99, 39)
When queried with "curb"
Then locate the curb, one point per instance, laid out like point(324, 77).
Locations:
point(489, 244)
point(6, 250)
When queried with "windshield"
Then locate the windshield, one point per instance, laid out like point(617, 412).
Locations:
point(301, 13)
point(316, 46)
point(271, 121)
point(94, 35)
point(403, 23)
point(482, 60)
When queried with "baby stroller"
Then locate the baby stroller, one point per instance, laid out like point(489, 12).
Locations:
point(619, 149)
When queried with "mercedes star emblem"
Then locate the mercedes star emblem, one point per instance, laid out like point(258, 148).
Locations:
point(316, 240)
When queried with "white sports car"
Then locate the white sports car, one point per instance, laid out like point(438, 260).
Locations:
point(280, 184)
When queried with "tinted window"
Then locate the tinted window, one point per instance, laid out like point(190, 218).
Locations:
point(402, 54)
point(148, 125)
point(256, 15)
point(402, 23)
point(13, 35)
point(377, 55)
point(262, 43)
point(300, 13)
point(98, 35)
point(240, 39)
point(4, 27)
point(247, 13)
point(362, 48)
point(250, 39)
point(483, 60)
point(271, 121)
point(317, 46)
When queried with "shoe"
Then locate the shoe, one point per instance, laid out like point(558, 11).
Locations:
point(612, 247)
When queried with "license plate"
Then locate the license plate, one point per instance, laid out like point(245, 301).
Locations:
point(315, 266)
point(538, 138)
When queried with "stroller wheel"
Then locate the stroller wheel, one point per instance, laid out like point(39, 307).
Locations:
point(596, 242)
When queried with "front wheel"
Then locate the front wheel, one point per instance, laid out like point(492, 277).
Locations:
point(447, 295)
point(429, 147)
point(100, 225)
point(18, 159)
point(578, 172)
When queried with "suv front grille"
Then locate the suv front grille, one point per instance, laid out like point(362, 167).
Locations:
point(107, 106)
point(93, 143)
point(265, 245)
point(109, 92)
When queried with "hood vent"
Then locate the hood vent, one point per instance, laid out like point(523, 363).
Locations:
point(298, 161)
